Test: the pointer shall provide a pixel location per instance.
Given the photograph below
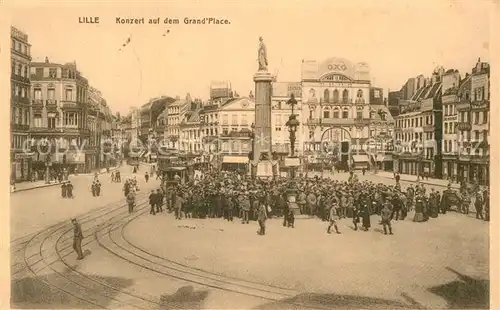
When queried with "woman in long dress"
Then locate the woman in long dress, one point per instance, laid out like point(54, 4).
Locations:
point(419, 208)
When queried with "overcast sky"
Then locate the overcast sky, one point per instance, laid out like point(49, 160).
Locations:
point(398, 39)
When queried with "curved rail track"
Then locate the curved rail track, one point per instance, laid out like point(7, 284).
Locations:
point(48, 250)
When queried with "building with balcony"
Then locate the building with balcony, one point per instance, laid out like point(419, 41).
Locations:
point(280, 112)
point(190, 137)
point(176, 112)
point(473, 126)
point(20, 154)
point(235, 127)
point(452, 84)
point(418, 131)
point(59, 115)
point(335, 112)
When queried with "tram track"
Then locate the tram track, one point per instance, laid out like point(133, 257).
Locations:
point(83, 219)
point(142, 259)
point(108, 232)
point(80, 289)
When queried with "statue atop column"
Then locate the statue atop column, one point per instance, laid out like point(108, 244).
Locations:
point(262, 55)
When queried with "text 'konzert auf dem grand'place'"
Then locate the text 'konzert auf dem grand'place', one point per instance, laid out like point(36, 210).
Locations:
point(158, 20)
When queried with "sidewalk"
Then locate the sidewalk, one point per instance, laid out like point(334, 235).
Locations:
point(26, 186)
point(413, 178)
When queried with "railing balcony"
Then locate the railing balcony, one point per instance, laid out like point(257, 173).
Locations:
point(314, 121)
point(51, 102)
point(20, 127)
point(37, 102)
point(69, 104)
point(464, 126)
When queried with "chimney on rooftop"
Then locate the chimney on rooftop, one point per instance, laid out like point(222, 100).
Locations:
point(46, 60)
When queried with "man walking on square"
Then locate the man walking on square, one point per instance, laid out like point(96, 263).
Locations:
point(333, 218)
point(262, 217)
point(77, 239)
point(386, 215)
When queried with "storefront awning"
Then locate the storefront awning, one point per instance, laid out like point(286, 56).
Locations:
point(235, 160)
point(360, 158)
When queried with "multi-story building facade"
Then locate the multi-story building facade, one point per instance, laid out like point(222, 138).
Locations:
point(418, 131)
point(176, 112)
point(235, 127)
point(473, 126)
point(20, 105)
point(59, 117)
point(280, 113)
point(335, 111)
point(452, 84)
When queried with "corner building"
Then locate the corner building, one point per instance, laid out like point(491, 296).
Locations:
point(20, 105)
point(335, 113)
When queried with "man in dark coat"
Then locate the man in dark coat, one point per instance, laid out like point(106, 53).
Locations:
point(69, 190)
point(77, 239)
point(63, 190)
point(152, 202)
point(159, 201)
point(478, 203)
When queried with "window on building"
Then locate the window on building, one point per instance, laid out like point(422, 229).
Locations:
point(345, 95)
point(69, 95)
point(52, 72)
point(225, 131)
point(476, 135)
point(311, 134)
point(51, 93)
point(244, 120)
point(336, 114)
point(51, 120)
point(18, 46)
point(70, 119)
point(485, 117)
point(476, 117)
point(326, 95)
point(412, 122)
point(18, 69)
point(345, 114)
point(26, 117)
point(335, 95)
point(359, 94)
point(445, 128)
point(234, 119)
point(359, 115)
point(37, 120)
point(326, 113)
point(38, 94)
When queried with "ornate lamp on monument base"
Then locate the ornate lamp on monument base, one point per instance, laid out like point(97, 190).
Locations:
point(263, 162)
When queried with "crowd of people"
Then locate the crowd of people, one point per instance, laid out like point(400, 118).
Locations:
point(228, 195)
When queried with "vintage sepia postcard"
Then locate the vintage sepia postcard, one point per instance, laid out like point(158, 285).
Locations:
point(249, 155)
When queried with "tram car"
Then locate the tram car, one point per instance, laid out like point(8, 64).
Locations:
point(174, 168)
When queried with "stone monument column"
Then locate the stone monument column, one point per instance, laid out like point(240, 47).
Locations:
point(262, 164)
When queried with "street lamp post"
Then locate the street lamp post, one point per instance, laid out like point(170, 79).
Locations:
point(292, 125)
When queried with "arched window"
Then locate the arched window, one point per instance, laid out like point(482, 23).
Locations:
point(359, 94)
point(326, 112)
point(345, 96)
point(336, 112)
point(326, 95)
point(345, 113)
point(335, 96)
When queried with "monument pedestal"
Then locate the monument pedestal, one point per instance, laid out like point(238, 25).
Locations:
point(262, 166)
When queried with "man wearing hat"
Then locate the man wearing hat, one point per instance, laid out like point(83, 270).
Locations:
point(77, 238)
point(386, 215)
point(333, 217)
